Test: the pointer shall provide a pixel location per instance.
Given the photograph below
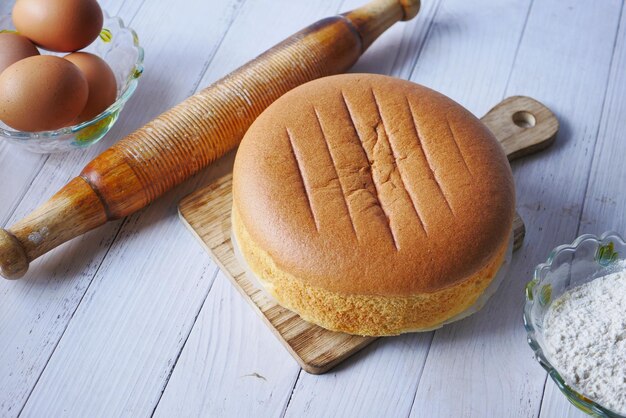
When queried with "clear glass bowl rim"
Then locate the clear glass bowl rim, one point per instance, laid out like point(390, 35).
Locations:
point(128, 90)
point(577, 399)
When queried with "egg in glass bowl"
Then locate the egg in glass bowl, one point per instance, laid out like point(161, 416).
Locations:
point(119, 47)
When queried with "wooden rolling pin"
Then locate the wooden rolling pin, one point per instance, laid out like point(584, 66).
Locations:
point(188, 137)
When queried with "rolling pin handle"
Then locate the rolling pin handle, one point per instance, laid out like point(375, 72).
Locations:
point(375, 17)
point(411, 8)
point(72, 211)
point(13, 260)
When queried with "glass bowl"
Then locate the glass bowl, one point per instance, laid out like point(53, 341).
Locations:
point(119, 46)
point(586, 259)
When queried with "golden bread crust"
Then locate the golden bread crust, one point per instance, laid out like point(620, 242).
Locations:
point(366, 185)
point(363, 314)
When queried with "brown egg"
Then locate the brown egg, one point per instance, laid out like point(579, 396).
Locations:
point(41, 93)
point(13, 48)
point(101, 81)
point(58, 25)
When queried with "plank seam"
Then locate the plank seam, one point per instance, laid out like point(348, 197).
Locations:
point(293, 389)
point(543, 395)
point(17, 204)
point(136, 11)
point(426, 38)
point(193, 324)
point(517, 48)
point(340, 7)
point(602, 110)
point(67, 325)
point(421, 372)
point(205, 68)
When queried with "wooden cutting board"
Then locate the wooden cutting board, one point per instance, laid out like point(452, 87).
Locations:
point(521, 124)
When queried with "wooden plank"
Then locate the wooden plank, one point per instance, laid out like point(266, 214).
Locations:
point(229, 366)
point(34, 313)
point(379, 381)
point(482, 366)
point(605, 199)
point(251, 35)
point(603, 207)
point(5, 7)
point(162, 287)
point(36, 310)
point(468, 54)
point(18, 169)
point(186, 380)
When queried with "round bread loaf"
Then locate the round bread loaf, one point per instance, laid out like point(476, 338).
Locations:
point(372, 205)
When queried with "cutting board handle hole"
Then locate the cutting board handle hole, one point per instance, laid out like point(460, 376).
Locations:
point(524, 119)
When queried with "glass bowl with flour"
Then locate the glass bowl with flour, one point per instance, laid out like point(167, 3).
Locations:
point(575, 316)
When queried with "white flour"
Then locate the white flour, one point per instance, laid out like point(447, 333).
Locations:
point(585, 332)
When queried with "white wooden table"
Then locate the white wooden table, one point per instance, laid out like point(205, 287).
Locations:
point(134, 319)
